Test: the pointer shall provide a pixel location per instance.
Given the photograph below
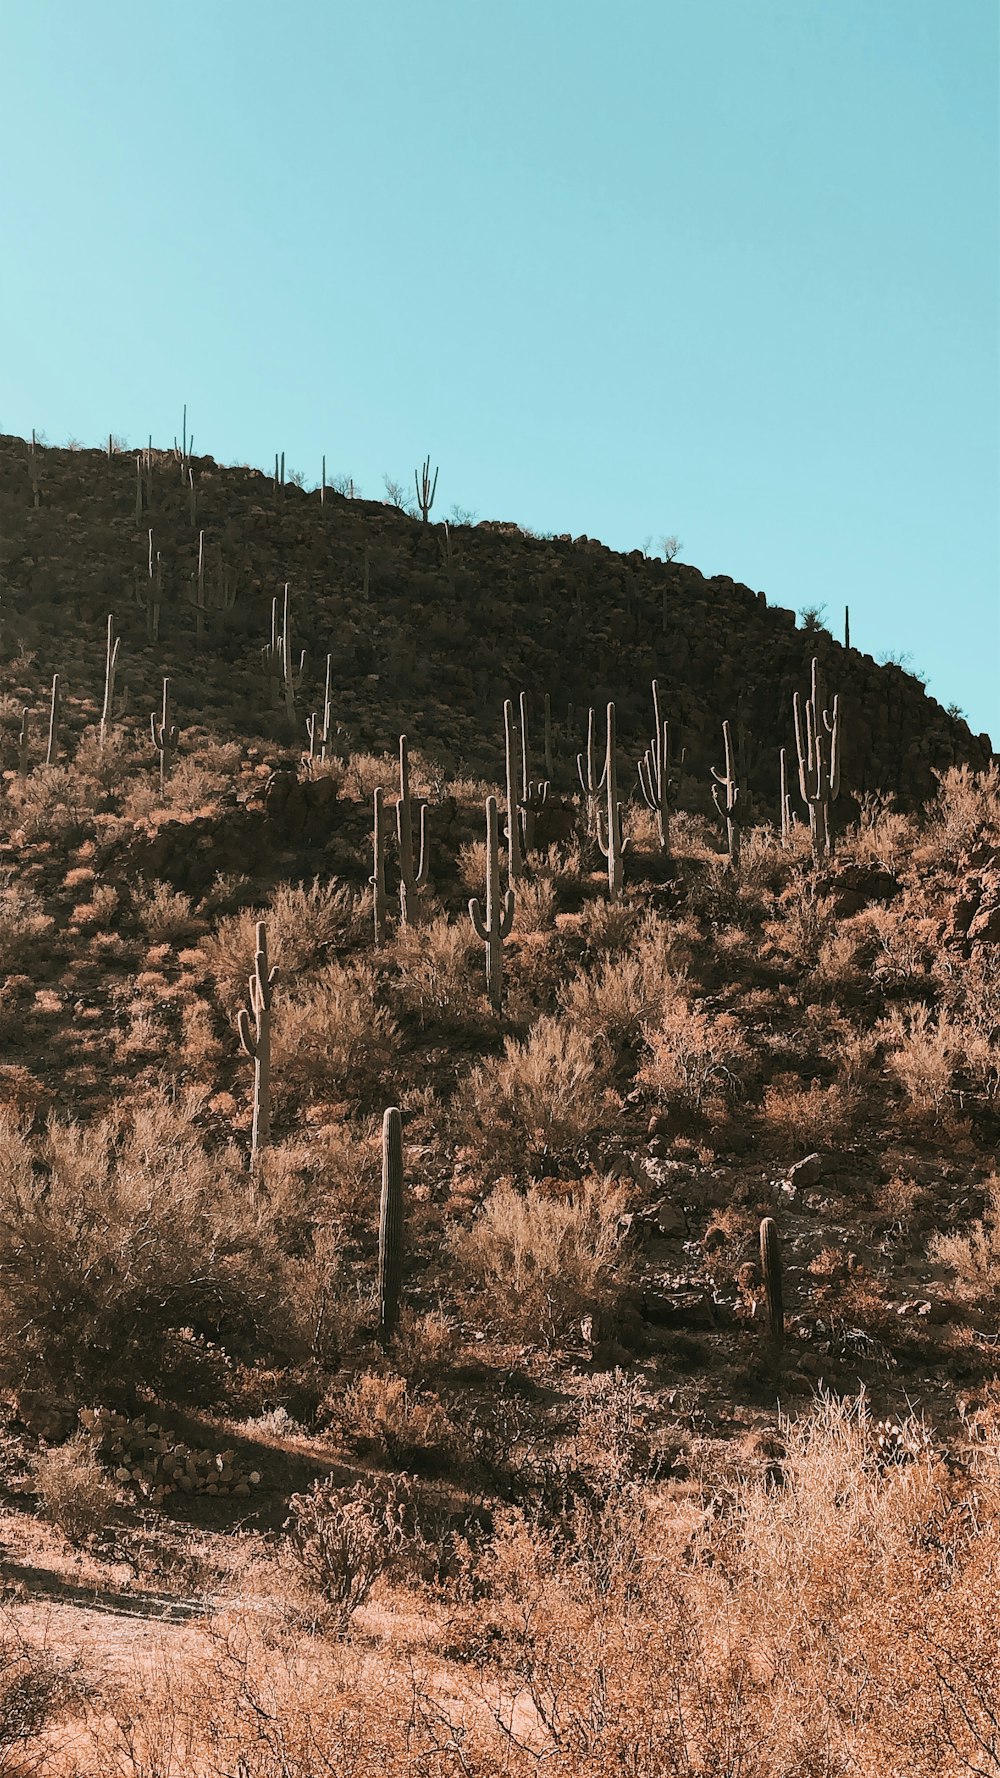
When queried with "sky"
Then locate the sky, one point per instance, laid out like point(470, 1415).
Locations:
point(719, 269)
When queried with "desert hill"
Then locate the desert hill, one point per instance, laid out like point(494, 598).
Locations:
point(428, 627)
point(572, 1348)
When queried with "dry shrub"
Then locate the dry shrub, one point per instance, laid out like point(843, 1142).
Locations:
point(840, 1621)
point(331, 1038)
point(966, 809)
point(535, 905)
point(544, 1089)
point(165, 914)
point(837, 960)
point(855, 1053)
point(693, 1054)
point(922, 1051)
point(124, 1247)
point(805, 924)
point(885, 840)
point(437, 969)
point(608, 926)
point(72, 1488)
point(344, 1539)
point(974, 1257)
point(534, 1264)
point(799, 1118)
point(303, 926)
point(23, 924)
point(385, 1414)
point(55, 802)
point(899, 951)
point(613, 1003)
point(365, 773)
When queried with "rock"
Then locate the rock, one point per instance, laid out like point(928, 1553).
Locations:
point(668, 1220)
point(679, 1308)
point(806, 1172)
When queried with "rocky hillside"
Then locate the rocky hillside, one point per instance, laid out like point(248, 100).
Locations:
point(428, 627)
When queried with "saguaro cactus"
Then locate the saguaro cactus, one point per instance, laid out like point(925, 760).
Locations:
point(590, 778)
point(380, 843)
point(609, 820)
point(734, 806)
point(817, 743)
point(514, 773)
point(412, 877)
point(494, 924)
point(770, 1266)
point(256, 1043)
point(390, 1226)
point(277, 655)
point(787, 818)
point(319, 737)
point(164, 735)
point(52, 750)
point(24, 742)
point(108, 712)
point(425, 490)
point(658, 786)
point(534, 794)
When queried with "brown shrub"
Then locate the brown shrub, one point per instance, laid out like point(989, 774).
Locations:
point(72, 1488)
point(693, 1053)
point(534, 1264)
point(543, 1089)
point(331, 1038)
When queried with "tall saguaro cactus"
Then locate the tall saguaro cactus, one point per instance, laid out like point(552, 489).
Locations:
point(380, 843)
point(534, 794)
point(734, 804)
point(659, 788)
point(277, 655)
point(55, 702)
point(587, 772)
point(817, 743)
point(425, 489)
point(787, 817)
point(390, 1226)
point(413, 876)
point(609, 820)
point(514, 772)
point(256, 1042)
point(164, 735)
point(494, 923)
point(108, 712)
point(770, 1266)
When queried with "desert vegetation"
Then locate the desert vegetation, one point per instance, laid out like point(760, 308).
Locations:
point(499, 1217)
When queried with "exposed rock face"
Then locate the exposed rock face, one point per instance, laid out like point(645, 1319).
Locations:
point(428, 635)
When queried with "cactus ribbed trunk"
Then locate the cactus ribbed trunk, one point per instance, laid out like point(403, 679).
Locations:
point(390, 1226)
point(770, 1266)
point(380, 841)
point(493, 924)
point(609, 824)
point(52, 750)
point(256, 1042)
point(413, 876)
point(515, 861)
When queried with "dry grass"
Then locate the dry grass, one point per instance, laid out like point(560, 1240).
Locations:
point(543, 1090)
point(537, 1263)
point(72, 1489)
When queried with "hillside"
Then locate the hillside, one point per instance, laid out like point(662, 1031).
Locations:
point(681, 1454)
point(427, 632)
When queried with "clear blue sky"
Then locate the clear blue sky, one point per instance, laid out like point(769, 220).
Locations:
point(722, 268)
